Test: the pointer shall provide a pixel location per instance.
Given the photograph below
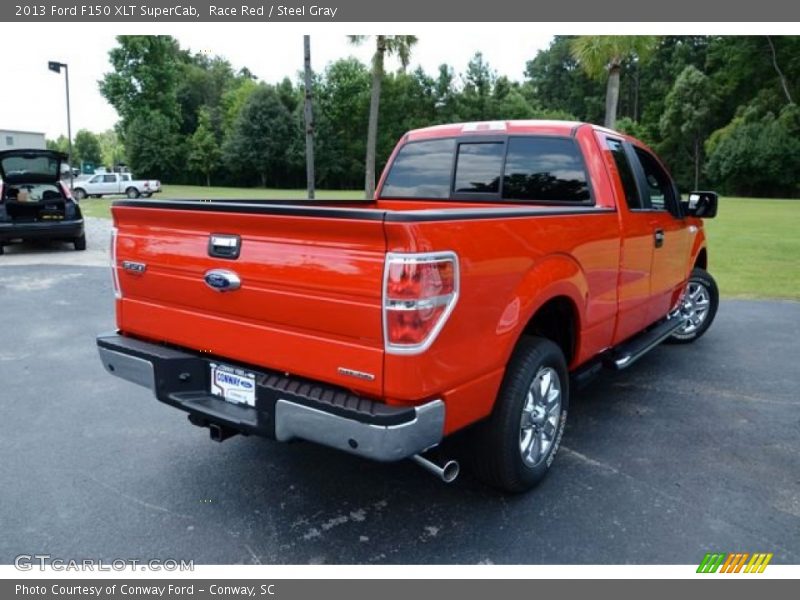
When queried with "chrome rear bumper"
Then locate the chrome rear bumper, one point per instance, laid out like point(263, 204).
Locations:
point(285, 409)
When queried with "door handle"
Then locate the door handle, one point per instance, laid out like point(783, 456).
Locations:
point(658, 238)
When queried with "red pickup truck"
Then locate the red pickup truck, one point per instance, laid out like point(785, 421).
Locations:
point(498, 265)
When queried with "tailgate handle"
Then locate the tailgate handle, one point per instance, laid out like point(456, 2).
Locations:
point(222, 245)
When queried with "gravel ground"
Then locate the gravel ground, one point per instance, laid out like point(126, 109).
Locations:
point(98, 232)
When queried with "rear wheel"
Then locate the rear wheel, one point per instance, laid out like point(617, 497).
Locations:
point(516, 445)
point(80, 242)
point(698, 306)
point(132, 192)
point(2, 249)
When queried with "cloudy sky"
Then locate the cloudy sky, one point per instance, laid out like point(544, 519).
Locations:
point(33, 97)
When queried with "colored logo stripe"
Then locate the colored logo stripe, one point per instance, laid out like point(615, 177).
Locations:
point(734, 562)
point(758, 563)
point(710, 563)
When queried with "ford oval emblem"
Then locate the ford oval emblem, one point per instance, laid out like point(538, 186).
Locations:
point(222, 280)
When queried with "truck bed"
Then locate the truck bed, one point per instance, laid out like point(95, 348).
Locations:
point(312, 272)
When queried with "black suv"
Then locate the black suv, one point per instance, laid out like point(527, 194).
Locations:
point(34, 202)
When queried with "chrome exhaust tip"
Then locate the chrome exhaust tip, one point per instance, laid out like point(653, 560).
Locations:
point(448, 472)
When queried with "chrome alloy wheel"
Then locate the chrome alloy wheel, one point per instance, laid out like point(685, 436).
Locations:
point(540, 415)
point(694, 307)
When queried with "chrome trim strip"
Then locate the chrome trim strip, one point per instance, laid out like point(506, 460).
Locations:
point(376, 442)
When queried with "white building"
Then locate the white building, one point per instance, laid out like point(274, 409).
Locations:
point(11, 139)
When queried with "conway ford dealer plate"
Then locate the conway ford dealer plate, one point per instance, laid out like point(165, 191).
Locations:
point(234, 385)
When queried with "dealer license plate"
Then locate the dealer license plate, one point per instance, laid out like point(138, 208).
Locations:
point(234, 385)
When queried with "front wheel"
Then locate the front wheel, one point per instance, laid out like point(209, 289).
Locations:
point(79, 193)
point(514, 448)
point(698, 306)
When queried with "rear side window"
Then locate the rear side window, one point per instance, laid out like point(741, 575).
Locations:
point(478, 168)
point(421, 170)
point(625, 174)
point(547, 169)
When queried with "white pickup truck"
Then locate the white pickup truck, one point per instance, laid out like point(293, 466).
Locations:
point(103, 184)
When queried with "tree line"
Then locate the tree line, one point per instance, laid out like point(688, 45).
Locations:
point(720, 110)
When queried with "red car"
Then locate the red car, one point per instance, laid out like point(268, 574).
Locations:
point(498, 264)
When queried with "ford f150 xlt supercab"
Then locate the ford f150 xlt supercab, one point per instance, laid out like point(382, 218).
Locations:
point(498, 264)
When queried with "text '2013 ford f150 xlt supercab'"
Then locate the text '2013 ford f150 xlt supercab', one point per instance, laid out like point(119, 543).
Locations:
point(498, 264)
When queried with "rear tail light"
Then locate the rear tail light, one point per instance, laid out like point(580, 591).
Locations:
point(114, 271)
point(66, 191)
point(420, 291)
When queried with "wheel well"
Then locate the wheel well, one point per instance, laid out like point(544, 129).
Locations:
point(702, 260)
point(557, 321)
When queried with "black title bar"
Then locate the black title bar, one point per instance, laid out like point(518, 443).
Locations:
point(401, 11)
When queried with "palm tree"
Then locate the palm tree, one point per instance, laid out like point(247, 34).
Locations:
point(385, 45)
point(603, 55)
point(777, 68)
point(308, 115)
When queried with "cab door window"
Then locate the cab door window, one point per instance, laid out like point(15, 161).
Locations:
point(657, 190)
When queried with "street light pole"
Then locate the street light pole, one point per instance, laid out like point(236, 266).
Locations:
point(69, 128)
point(55, 66)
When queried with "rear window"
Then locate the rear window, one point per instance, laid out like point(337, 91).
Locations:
point(32, 166)
point(421, 170)
point(547, 169)
point(519, 168)
point(479, 166)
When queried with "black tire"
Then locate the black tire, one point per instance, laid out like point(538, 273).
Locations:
point(79, 193)
point(80, 242)
point(2, 249)
point(496, 447)
point(132, 192)
point(688, 334)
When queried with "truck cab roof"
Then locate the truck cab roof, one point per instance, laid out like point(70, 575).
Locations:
point(517, 127)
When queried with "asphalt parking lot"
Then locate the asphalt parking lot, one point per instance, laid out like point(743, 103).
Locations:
point(694, 449)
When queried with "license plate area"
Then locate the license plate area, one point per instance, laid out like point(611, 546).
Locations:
point(233, 384)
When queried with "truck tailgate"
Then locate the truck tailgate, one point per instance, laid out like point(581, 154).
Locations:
point(309, 303)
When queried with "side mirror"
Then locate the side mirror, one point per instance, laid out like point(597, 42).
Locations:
point(701, 204)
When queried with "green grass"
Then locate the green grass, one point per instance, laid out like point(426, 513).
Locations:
point(100, 207)
point(754, 248)
point(753, 244)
